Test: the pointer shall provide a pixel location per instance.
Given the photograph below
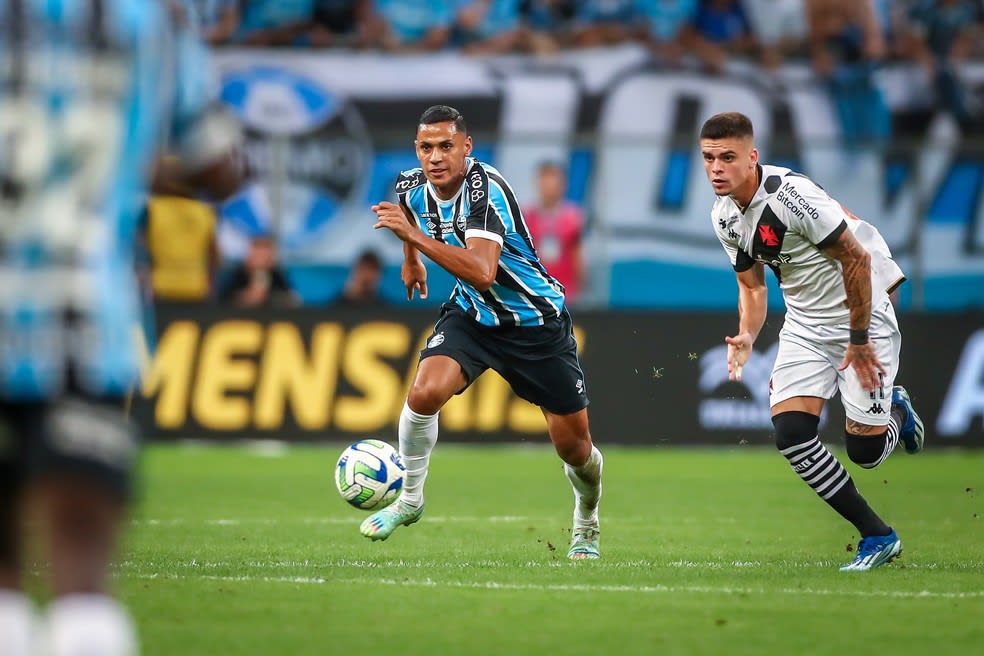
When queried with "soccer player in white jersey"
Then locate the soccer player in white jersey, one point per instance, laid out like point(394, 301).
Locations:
point(506, 313)
point(88, 88)
point(840, 331)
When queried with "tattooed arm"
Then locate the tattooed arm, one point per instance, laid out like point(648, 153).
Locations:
point(856, 266)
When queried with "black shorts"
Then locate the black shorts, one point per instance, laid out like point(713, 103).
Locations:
point(74, 434)
point(539, 362)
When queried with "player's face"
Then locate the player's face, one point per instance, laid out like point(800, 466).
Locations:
point(441, 150)
point(729, 163)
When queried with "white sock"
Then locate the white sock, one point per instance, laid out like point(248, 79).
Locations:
point(586, 481)
point(418, 434)
point(18, 624)
point(85, 624)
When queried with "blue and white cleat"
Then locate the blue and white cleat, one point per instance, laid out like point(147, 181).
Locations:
point(912, 432)
point(584, 543)
point(875, 551)
point(381, 524)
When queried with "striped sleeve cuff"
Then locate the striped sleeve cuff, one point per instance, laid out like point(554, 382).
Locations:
point(483, 234)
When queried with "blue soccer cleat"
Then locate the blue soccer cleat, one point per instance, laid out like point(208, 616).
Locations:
point(381, 524)
point(912, 433)
point(874, 551)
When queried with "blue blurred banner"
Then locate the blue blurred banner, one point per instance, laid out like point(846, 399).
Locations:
point(328, 132)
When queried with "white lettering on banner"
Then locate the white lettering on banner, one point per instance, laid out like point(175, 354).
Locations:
point(728, 413)
point(635, 147)
point(964, 400)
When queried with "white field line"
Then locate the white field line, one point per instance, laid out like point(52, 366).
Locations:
point(587, 587)
point(195, 566)
point(310, 521)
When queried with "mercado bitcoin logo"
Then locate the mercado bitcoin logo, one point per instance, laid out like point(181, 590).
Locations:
point(307, 147)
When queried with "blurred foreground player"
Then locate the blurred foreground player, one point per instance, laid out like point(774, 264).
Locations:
point(840, 332)
point(87, 90)
point(506, 313)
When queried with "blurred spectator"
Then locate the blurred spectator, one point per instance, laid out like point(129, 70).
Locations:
point(547, 24)
point(486, 27)
point(180, 236)
point(416, 25)
point(723, 30)
point(779, 27)
point(345, 24)
point(274, 22)
point(846, 44)
point(669, 27)
point(362, 287)
point(258, 280)
point(942, 33)
point(557, 226)
point(604, 22)
point(217, 20)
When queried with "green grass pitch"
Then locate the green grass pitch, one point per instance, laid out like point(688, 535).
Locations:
point(723, 551)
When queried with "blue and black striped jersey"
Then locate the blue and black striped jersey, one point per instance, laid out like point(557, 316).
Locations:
point(89, 89)
point(523, 293)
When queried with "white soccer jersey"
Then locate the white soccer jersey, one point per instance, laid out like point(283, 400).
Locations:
point(787, 224)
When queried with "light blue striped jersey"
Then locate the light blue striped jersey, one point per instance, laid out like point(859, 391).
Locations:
point(88, 91)
point(523, 293)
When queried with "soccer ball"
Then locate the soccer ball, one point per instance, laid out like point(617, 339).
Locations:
point(369, 474)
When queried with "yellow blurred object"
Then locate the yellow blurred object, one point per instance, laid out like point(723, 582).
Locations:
point(181, 242)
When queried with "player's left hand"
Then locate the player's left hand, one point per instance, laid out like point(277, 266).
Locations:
point(390, 216)
point(866, 365)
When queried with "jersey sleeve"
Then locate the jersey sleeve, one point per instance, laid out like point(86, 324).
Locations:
point(740, 260)
point(404, 187)
point(810, 211)
point(488, 209)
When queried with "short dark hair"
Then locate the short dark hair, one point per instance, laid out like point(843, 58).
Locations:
point(369, 258)
point(727, 125)
point(444, 114)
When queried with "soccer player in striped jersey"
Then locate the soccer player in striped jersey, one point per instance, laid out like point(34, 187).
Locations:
point(506, 313)
point(840, 333)
point(88, 88)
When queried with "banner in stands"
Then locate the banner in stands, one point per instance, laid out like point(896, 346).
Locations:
point(653, 378)
point(328, 133)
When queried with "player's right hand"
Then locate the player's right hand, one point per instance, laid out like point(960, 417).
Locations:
point(414, 275)
point(739, 350)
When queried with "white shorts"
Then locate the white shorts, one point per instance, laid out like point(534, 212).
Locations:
point(808, 358)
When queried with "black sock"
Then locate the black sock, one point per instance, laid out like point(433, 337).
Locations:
point(823, 472)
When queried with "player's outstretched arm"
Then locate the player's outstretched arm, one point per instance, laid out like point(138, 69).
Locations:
point(413, 272)
point(753, 304)
point(476, 264)
point(856, 267)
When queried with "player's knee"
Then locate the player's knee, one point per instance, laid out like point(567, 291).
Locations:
point(575, 452)
point(427, 398)
point(794, 428)
point(865, 451)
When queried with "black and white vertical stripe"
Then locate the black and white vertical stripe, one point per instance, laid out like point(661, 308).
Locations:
point(817, 467)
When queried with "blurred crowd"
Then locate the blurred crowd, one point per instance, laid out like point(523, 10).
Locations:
point(713, 29)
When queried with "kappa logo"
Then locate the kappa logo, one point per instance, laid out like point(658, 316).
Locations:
point(436, 340)
point(768, 235)
point(876, 409)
